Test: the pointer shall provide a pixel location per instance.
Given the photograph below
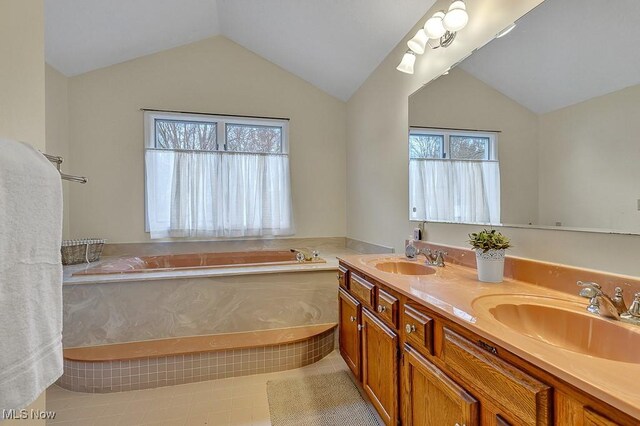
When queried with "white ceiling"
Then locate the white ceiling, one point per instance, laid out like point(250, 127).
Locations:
point(564, 52)
point(333, 44)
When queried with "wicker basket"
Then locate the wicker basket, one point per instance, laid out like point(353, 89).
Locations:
point(81, 251)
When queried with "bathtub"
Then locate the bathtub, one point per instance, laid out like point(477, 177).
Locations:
point(176, 311)
point(176, 262)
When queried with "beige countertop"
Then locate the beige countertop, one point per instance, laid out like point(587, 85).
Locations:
point(455, 293)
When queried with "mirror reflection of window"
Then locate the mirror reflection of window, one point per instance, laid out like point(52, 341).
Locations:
point(454, 176)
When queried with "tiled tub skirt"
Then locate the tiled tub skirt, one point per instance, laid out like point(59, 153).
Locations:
point(146, 373)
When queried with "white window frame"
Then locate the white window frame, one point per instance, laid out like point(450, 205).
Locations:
point(221, 121)
point(221, 131)
point(447, 133)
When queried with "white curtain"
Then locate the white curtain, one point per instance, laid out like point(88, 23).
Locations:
point(214, 194)
point(455, 191)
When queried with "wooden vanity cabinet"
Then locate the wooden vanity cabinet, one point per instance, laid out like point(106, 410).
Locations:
point(380, 366)
point(349, 325)
point(430, 398)
point(505, 386)
point(343, 277)
point(419, 368)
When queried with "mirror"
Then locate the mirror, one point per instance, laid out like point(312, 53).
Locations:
point(540, 127)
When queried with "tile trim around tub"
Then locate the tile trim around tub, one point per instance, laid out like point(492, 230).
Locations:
point(146, 373)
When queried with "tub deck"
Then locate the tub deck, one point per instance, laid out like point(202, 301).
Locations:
point(190, 261)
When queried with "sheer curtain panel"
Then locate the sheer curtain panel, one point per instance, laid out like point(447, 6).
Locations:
point(455, 191)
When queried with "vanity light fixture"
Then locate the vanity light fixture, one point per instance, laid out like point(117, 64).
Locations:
point(419, 42)
point(439, 31)
point(406, 65)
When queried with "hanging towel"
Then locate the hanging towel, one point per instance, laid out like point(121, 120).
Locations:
point(30, 275)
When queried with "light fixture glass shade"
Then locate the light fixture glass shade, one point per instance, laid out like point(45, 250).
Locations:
point(457, 17)
point(406, 65)
point(418, 42)
point(434, 27)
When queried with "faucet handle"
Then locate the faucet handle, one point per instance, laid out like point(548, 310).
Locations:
point(589, 289)
point(440, 257)
point(634, 309)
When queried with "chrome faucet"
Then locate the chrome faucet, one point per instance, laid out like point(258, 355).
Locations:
point(613, 307)
point(434, 257)
point(305, 256)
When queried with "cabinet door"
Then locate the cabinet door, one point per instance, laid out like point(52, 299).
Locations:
point(380, 366)
point(591, 418)
point(349, 330)
point(430, 398)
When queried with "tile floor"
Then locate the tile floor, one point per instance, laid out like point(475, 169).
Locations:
point(223, 402)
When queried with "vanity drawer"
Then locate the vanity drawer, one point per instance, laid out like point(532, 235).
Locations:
point(343, 277)
point(512, 389)
point(418, 329)
point(362, 289)
point(387, 307)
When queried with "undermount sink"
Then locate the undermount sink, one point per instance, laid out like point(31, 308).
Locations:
point(555, 322)
point(404, 268)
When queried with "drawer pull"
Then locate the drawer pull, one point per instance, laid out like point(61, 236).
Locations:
point(352, 318)
point(381, 308)
point(409, 328)
point(487, 347)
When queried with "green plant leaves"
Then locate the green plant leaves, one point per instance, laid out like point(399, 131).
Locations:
point(488, 240)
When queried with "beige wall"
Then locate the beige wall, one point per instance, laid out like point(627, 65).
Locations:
point(214, 75)
point(22, 71)
point(57, 129)
point(22, 111)
point(589, 170)
point(377, 158)
point(461, 101)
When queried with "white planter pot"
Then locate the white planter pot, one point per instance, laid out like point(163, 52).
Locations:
point(490, 266)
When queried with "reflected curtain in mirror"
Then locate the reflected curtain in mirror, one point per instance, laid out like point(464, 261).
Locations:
point(454, 176)
point(455, 191)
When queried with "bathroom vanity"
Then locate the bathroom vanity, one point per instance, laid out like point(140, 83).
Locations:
point(433, 346)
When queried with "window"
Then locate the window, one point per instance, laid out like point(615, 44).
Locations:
point(454, 176)
point(216, 176)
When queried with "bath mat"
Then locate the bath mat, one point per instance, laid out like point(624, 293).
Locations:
point(323, 400)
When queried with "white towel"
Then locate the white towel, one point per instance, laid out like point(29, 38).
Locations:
point(30, 275)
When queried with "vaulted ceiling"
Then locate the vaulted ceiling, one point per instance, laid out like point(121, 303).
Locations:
point(333, 44)
point(564, 52)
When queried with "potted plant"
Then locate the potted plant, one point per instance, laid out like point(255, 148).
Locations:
point(490, 247)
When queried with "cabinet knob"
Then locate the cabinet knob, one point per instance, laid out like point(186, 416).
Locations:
point(352, 318)
point(381, 308)
point(360, 327)
point(338, 277)
point(410, 328)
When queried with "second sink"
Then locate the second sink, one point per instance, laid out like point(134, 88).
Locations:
point(404, 268)
point(556, 323)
